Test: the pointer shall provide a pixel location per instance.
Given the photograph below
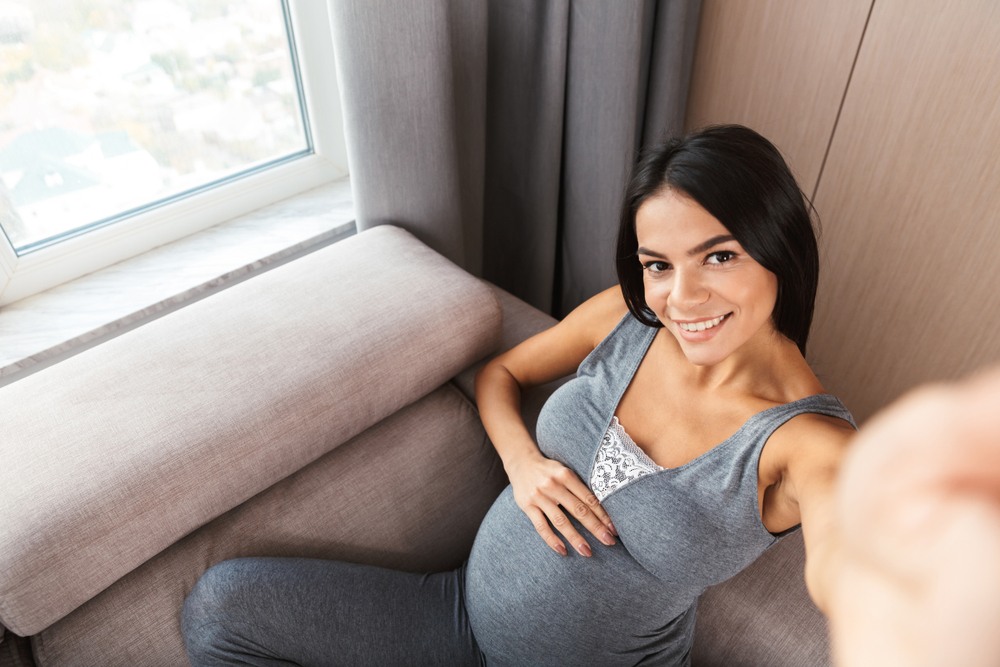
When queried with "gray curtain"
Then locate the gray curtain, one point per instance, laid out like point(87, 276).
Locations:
point(501, 132)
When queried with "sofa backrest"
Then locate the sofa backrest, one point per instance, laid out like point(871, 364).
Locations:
point(111, 456)
point(763, 616)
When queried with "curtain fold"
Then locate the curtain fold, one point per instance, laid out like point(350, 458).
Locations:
point(413, 91)
point(502, 132)
point(526, 90)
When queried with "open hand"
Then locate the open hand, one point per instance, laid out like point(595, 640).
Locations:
point(546, 490)
point(919, 521)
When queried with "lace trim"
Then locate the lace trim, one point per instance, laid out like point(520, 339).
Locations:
point(619, 461)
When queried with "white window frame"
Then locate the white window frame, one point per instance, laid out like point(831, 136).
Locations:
point(41, 269)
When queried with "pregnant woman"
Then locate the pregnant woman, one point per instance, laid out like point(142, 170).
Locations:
point(693, 435)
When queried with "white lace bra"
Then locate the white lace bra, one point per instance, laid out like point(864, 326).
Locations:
point(619, 461)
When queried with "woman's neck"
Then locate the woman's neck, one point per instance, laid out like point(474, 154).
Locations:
point(768, 364)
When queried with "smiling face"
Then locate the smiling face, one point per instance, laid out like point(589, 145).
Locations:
point(711, 295)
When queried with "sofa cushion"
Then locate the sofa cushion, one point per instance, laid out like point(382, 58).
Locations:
point(408, 493)
point(113, 455)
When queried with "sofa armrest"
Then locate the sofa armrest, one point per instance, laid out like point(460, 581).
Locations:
point(520, 321)
point(113, 455)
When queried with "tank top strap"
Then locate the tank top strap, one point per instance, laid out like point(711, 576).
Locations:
point(760, 427)
point(623, 347)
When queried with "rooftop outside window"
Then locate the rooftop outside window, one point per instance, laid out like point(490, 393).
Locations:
point(109, 108)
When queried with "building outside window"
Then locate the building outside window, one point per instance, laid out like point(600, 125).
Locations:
point(113, 111)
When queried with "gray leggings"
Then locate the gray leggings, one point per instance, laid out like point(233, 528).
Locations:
point(292, 611)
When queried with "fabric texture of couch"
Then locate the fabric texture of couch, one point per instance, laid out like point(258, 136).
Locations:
point(321, 409)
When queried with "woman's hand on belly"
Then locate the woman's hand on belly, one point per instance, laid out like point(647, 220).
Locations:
point(545, 490)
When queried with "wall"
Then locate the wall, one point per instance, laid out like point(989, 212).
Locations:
point(888, 112)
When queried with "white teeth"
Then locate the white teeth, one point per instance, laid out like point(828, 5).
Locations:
point(701, 326)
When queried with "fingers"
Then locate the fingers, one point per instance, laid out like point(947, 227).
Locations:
point(919, 516)
point(585, 508)
point(558, 519)
point(948, 430)
point(564, 492)
point(909, 464)
point(554, 498)
point(541, 524)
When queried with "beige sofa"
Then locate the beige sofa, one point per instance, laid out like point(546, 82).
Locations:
point(323, 409)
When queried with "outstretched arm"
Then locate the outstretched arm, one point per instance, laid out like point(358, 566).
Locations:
point(917, 517)
point(818, 447)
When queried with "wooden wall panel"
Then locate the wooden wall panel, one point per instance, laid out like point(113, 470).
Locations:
point(910, 202)
point(780, 67)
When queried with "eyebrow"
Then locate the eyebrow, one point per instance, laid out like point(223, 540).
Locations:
point(697, 250)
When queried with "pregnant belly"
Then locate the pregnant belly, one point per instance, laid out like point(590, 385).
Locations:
point(528, 605)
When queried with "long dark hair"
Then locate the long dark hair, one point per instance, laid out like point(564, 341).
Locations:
point(741, 179)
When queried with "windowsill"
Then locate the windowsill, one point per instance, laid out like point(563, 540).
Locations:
point(43, 329)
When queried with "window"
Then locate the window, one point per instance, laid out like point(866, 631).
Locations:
point(127, 124)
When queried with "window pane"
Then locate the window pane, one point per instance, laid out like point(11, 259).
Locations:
point(109, 106)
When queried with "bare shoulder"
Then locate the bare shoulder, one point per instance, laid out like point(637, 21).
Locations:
point(598, 315)
point(818, 426)
point(811, 443)
point(557, 351)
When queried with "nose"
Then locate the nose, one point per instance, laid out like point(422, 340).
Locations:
point(687, 290)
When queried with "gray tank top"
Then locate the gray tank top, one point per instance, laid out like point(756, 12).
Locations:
point(681, 530)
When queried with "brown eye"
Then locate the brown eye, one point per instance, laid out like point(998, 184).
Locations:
point(721, 257)
point(654, 269)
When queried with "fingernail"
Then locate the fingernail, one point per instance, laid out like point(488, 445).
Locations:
point(561, 549)
point(608, 539)
point(614, 531)
point(584, 550)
